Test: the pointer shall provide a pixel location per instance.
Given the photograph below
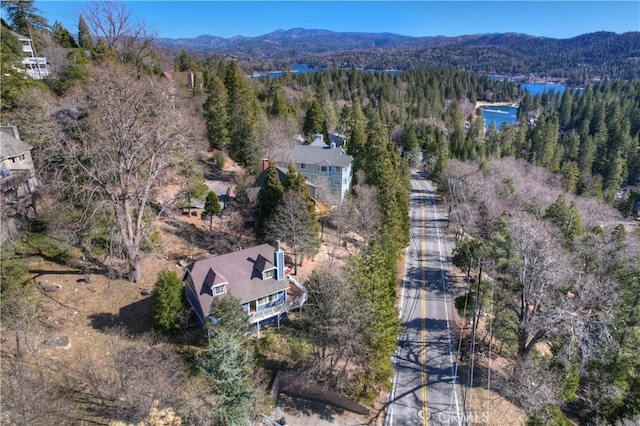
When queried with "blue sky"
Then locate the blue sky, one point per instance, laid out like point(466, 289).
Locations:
point(557, 19)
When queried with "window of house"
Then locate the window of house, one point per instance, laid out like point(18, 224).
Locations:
point(303, 166)
point(336, 181)
point(267, 274)
point(323, 169)
point(338, 169)
point(267, 299)
point(14, 160)
point(220, 289)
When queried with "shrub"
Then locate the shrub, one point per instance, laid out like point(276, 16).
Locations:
point(167, 302)
point(464, 305)
point(549, 415)
point(43, 245)
point(218, 159)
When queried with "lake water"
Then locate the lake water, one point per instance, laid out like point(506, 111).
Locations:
point(304, 68)
point(507, 114)
point(295, 68)
point(499, 115)
point(537, 88)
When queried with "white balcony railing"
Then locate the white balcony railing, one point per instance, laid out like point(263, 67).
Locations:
point(292, 304)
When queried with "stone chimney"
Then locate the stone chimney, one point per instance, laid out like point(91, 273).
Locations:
point(278, 256)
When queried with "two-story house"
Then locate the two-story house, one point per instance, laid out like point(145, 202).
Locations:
point(256, 276)
point(36, 66)
point(325, 165)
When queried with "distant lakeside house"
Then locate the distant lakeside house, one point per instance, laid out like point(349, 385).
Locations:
point(256, 276)
point(325, 165)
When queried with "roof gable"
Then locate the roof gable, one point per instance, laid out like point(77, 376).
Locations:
point(308, 154)
point(10, 144)
point(241, 270)
point(262, 264)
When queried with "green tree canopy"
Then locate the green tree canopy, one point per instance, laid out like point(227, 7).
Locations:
point(62, 36)
point(314, 120)
point(215, 111)
point(167, 301)
point(229, 315)
point(211, 207)
point(85, 39)
point(269, 198)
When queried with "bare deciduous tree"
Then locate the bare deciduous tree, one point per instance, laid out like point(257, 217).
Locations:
point(335, 324)
point(29, 396)
point(136, 375)
point(539, 275)
point(277, 139)
point(119, 150)
point(292, 223)
point(113, 23)
point(367, 212)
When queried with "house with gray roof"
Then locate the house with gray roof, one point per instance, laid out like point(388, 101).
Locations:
point(256, 276)
point(325, 165)
point(17, 173)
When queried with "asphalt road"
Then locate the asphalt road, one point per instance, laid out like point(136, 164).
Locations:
point(425, 389)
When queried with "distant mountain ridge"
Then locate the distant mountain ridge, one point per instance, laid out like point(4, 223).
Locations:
point(300, 39)
point(600, 54)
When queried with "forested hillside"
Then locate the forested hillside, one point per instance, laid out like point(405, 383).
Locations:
point(601, 55)
point(119, 147)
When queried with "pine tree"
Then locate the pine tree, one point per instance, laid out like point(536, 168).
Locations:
point(215, 110)
point(269, 198)
point(357, 138)
point(227, 364)
point(295, 180)
point(62, 36)
point(24, 17)
point(229, 316)
point(242, 116)
point(566, 218)
point(211, 207)
point(314, 120)
point(373, 275)
point(167, 301)
point(85, 39)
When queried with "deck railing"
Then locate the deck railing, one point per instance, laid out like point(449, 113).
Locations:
point(292, 304)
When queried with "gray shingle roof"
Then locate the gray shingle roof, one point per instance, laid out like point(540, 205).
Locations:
point(308, 154)
point(10, 146)
point(242, 270)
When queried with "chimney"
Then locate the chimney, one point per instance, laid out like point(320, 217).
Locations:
point(279, 262)
point(265, 163)
point(190, 79)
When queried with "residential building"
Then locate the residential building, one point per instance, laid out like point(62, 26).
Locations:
point(36, 66)
point(252, 192)
point(326, 166)
point(256, 276)
point(17, 176)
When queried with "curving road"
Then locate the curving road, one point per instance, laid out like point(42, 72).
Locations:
point(425, 387)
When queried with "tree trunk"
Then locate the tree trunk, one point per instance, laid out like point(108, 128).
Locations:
point(134, 271)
